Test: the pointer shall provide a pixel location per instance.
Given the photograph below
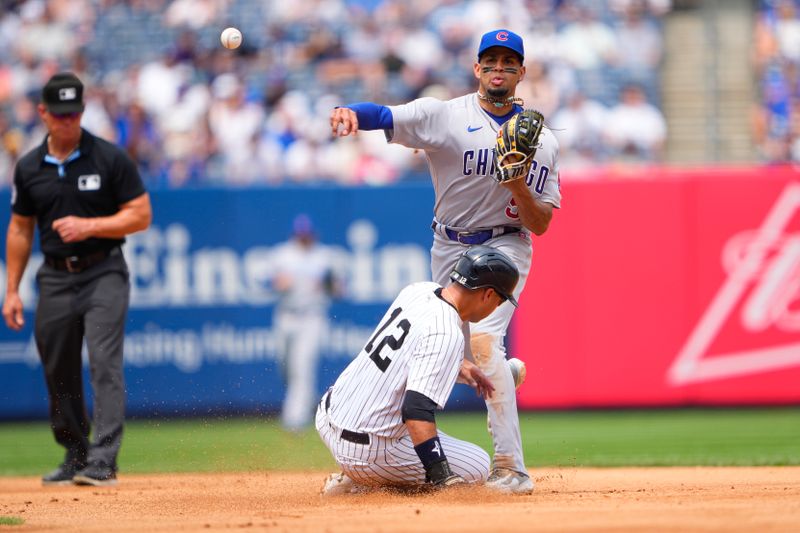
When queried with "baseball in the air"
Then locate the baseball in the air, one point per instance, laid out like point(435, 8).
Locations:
point(231, 38)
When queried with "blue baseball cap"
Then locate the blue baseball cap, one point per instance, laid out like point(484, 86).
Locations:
point(302, 225)
point(505, 38)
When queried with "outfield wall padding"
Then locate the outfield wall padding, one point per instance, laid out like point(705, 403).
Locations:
point(666, 287)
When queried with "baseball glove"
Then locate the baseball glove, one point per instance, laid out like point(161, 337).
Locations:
point(516, 144)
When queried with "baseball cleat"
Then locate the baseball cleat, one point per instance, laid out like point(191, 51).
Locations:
point(96, 475)
point(518, 372)
point(509, 481)
point(337, 484)
point(60, 476)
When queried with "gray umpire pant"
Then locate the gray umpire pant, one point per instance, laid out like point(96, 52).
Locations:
point(90, 305)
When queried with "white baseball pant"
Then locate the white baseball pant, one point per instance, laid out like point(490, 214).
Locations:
point(298, 338)
point(393, 461)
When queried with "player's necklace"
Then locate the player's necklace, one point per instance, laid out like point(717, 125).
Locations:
point(501, 102)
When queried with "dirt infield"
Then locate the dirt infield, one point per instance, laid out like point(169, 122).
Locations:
point(620, 499)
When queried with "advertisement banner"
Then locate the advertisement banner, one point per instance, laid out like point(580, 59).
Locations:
point(199, 336)
point(677, 288)
point(674, 288)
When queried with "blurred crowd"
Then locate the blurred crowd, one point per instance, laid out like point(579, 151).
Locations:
point(777, 61)
point(193, 113)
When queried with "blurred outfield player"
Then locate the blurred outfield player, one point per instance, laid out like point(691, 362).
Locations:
point(305, 283)
point(458, 137)
point(378, 418)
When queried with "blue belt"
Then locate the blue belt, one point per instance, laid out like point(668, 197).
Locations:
point(476, 237)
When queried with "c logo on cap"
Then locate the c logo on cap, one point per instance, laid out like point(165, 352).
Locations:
point(501, 36)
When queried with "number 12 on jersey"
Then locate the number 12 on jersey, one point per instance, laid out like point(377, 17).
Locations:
point(391, 341)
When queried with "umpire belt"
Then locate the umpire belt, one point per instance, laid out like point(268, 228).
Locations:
point(346, 434)
point(76, 264)
point(472, 237)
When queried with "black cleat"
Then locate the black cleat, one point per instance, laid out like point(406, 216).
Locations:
point(97, 475)
point(63, 475)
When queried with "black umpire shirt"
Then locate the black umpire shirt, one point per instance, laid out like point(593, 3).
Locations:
point(93, 181)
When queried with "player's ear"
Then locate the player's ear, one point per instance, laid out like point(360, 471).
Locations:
point(497, 296)
point(488, 294)
point(522, 71)
point(476, 69)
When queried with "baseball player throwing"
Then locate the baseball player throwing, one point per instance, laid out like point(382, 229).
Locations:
point(458, 137)
point(378, 417)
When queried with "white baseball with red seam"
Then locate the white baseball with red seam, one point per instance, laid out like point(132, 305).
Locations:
point(231, 38)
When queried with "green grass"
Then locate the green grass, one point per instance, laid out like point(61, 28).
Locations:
point(706, 437)
point(11, 521)
point(769, 436)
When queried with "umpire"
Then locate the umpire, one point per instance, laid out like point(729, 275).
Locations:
point(85, 195)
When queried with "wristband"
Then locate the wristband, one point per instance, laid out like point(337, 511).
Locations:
point(430, 452)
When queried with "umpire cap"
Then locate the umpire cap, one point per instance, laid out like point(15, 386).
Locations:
point(63, 93)
point(483, 266)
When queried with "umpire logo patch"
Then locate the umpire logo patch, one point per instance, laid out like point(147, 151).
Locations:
point(89, 182)
point(67, 93)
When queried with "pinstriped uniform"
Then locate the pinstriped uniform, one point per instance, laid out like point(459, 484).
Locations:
point(418, 345)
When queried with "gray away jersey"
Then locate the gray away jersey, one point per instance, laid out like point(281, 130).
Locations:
point(458, 138)
point(418, 345)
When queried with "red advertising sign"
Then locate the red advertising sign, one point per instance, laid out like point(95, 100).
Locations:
point(677, 288)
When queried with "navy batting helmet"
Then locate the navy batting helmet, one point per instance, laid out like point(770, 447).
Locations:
point(483, 266)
